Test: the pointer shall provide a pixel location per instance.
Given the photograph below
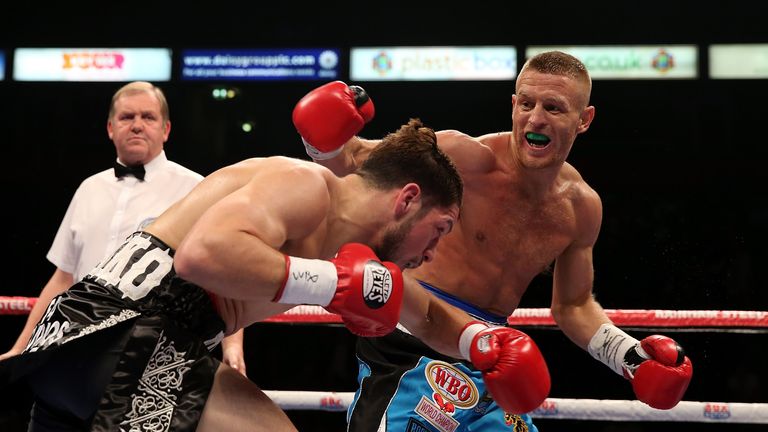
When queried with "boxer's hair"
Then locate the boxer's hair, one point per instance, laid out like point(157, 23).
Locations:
point(559, 63)
point(136, 87)
point(411, 155)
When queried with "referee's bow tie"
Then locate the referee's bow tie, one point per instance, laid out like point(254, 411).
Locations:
point(122, 170)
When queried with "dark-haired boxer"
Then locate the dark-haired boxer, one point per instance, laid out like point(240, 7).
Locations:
point(128, 347)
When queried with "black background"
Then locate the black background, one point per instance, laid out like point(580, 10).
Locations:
point(679, 164)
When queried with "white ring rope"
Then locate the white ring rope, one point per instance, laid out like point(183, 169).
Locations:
point(574, 409)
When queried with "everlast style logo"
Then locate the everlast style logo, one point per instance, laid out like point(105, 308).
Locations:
point(377, 285)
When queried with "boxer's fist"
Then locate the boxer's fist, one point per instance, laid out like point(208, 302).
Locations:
point(329, 116)
point(514, 371)
point(659, 371)
point(366, 292)
point(369, 292)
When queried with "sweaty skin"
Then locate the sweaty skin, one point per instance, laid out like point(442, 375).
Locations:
point(524, 208)
point(231, 234)
point(506, 236)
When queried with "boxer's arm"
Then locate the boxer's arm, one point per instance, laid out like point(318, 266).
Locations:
point(574, 307)
point(233, 248)
point(433, 321)
point(656, 366)
point(470, 154)
point(512, 365)
point(352, 156)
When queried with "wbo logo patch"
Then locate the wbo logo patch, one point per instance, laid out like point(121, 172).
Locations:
point(451, 384)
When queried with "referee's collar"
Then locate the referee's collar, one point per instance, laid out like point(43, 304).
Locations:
point(153, 166)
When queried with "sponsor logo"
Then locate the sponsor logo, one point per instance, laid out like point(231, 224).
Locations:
point(483, 343)
point(452, 384)
point(92, 60)
point(377, 285)
point(331, 402)
point(16, 304)
point(547, 408)
point(717, 411)
point(663, 61)
point(382, 63)
point(435, 416)
point(328, 59)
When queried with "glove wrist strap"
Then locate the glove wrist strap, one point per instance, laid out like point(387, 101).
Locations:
point(316, 154)
point(610, 345)
point(307, 281)
point(468, 335)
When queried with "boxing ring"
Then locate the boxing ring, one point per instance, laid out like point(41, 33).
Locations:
point(552, 408)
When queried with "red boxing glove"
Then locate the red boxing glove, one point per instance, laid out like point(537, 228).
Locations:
point(329, 116)
point(659, 371)
point(366, 292)
point(512, 365)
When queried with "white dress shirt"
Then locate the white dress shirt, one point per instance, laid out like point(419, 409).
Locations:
point(105, 210)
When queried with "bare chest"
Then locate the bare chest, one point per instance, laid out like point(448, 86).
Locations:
point(503, 241)
point(520, 237)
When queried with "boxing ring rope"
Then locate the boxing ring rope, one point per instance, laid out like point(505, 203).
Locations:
point(521, 317)
point(554, 408)
point(573, 409)
point(543, 317)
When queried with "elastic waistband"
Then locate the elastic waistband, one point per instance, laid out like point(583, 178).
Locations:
point(472, 310)
point(154, 239)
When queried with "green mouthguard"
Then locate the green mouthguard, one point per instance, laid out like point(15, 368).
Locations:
point(536, 137)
